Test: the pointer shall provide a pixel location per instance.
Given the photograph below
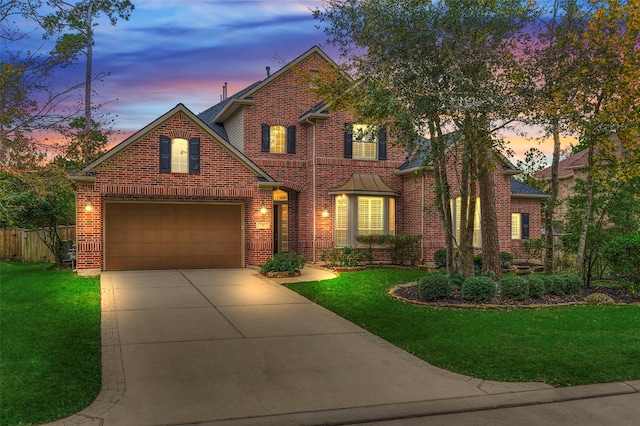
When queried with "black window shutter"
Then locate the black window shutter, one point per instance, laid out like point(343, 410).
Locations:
point(382, 145)
point(266, 138)
point(165, 154)
point(348, 142)
point(194, 155)
point(291, 140)
point(525, 225)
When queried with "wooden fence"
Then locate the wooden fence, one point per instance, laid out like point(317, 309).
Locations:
point(24, 245)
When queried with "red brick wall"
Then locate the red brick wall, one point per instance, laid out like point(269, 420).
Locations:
point(533, 207)
point(282, 102)
point(133, 174)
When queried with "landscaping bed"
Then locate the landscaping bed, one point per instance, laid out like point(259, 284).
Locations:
point(620, 295)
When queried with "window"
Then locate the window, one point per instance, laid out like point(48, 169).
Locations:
point(362, 215)
point(364, 142)
point(456, 213)
point(179, 155)
point(277, 136)
point(278, 139)
point(519, 226)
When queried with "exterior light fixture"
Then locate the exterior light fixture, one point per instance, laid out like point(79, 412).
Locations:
point(263, 209)
point(88, 207)
point(325, 212)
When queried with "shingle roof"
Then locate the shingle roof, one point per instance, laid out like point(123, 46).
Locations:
point(567, 166)
point(209, 114)
point(520, 188)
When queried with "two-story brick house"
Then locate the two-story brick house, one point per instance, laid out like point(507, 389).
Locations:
point(268, 169)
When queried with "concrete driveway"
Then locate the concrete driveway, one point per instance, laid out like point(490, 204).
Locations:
point(232, 347)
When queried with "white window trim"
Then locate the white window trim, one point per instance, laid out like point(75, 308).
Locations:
point(349, 227)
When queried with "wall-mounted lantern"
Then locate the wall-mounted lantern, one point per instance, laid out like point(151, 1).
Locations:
point(88, 207)
point(325, 212)
point(263, 209)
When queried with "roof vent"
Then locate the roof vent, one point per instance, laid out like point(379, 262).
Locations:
point(268, 72)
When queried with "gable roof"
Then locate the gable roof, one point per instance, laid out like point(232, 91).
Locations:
point(217, 114)
point(567, 166)
point(180, 108)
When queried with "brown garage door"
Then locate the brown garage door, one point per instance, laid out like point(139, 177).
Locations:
point(170, 236)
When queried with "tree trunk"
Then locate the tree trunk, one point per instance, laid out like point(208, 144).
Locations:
point(551, 204)
point(587, 213)
point(489, 216)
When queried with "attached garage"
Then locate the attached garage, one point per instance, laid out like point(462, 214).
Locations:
point(172, 235)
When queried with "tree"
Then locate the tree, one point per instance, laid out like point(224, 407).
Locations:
point(39, 201)
point(79, 19)
point(447, 70)
point(607, 90)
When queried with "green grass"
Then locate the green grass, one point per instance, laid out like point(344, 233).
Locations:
point(561, 346)
point(49, 342)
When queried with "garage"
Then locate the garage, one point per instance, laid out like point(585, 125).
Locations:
point(172, 236)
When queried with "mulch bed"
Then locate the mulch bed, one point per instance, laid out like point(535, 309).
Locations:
point(409, 293)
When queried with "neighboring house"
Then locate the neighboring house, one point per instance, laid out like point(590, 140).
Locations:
point(266, 170)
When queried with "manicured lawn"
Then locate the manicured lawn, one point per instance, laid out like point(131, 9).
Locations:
point(560, 346)
point(50, 343)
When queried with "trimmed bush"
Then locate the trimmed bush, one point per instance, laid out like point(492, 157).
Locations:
point(554, 284)
point(506, 259)
point(440, 258)
point(434, 286)
point(345, 256)
point(536, 286)
point(478, 289)
point(283, 262)
point(572, 284)
point(623, 254)
point(514, 288)
point(477, 263)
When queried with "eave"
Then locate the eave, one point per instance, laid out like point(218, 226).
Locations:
point(231, 108)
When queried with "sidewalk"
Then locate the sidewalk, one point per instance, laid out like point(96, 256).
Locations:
point(232, 347)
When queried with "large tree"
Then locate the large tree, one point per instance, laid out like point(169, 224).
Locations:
point(444, 69)
point(73, 23)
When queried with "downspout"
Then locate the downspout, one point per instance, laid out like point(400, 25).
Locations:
point(313, 171)
point(422, 219)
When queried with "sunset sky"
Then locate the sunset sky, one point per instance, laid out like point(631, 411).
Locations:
point(183, 52)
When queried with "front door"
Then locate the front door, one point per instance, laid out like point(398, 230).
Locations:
point(280, 221)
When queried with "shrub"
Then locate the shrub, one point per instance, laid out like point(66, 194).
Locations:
point(536, 286)
point(440, 258)
point(478, 289)
point(623, 254)
point(514, 288)
point(532, 247)
point(506, 259)
point(599, 299)
point(554, 284)
point(283, 262)
point(403, 248)
point(345, 256)
point(434, 286)
point(456, 279)
point(572, 284)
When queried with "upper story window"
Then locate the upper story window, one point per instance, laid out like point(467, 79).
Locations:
point(179, 155)
point(278, 136)
point(279, 139)
point(365, 142)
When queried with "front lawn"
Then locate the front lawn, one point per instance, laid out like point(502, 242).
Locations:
point(561, 346)
point(50, 343)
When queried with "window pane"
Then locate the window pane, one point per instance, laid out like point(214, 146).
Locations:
point(515, 226)
point(477, 231)
point(456, 208)
point(370, 215)
point(341, 221)
point(365, 143)
point(278, 137)
point(179, 156)
point(284, 227)
point(392, 215)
